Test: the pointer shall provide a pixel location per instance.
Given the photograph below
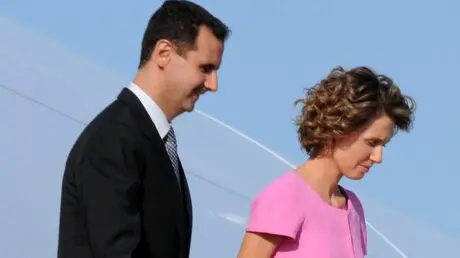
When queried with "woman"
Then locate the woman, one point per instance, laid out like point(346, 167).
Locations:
point(345, 122)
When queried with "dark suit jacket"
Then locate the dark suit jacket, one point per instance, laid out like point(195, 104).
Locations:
point(120, 195)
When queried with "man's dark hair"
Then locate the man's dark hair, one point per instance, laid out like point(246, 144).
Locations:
point(179, 21)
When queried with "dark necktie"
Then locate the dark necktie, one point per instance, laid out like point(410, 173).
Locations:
point(171, 149)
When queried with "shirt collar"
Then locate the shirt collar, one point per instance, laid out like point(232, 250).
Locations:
point(154, 111)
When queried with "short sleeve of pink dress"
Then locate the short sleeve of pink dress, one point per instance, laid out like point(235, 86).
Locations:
point(289, 207)
point(275, 209)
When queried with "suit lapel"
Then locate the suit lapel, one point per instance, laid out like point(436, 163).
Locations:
point(186, 194)
point(146, 124)
point(148, 128)
point(188, 209)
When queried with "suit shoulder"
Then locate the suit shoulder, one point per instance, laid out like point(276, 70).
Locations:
point(113, 121)
point(112, 127)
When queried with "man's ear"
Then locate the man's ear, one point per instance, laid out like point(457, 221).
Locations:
point(163, 52)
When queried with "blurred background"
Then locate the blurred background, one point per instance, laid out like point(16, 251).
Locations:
point(73, 58)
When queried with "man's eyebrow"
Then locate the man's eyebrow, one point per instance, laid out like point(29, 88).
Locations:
point(210, 65)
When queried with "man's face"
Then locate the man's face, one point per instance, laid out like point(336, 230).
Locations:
point(189, 76)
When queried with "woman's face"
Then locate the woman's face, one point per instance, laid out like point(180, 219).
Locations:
point(355, 155)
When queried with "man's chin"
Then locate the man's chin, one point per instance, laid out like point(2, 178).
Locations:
point(189, 108)
point(189, 105)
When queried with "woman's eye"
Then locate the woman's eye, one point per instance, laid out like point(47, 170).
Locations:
point(372, 143)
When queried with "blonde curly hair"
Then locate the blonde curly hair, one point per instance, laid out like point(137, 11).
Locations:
point(344, 102)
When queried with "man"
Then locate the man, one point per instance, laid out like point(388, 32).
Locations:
point(124, 192)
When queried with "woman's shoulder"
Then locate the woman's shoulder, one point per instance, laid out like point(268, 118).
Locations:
point(279, 207)
point(285, 186)
point(286, 194)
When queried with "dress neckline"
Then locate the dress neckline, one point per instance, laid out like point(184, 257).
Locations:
point(318, 198)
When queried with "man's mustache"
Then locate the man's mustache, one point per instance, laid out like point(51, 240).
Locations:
point(199, 90)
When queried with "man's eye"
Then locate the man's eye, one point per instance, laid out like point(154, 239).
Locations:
point(207, 69)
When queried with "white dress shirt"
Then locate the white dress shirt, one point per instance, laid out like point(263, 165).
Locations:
point(154, 111)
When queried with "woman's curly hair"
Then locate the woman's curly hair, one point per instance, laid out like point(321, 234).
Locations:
point(344, 102)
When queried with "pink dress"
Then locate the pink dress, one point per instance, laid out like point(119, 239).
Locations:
point(314, 229)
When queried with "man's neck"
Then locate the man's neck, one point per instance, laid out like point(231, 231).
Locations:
point(153, 88)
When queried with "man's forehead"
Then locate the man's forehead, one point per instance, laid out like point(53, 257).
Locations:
point(208, 49)
point(206, 41)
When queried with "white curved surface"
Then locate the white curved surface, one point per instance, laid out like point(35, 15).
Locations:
point(225, 170)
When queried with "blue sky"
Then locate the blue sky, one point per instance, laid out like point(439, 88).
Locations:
point(275, 51)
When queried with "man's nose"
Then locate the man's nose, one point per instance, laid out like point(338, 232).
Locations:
point(211, 82)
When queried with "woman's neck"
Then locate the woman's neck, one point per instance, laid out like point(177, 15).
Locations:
point(323, 175)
